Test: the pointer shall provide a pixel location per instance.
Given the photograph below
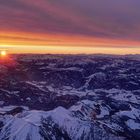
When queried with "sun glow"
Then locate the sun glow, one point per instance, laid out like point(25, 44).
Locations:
point(3, 53)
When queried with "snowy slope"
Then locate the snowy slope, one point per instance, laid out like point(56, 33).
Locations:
point(36, 125)
point(77, 97)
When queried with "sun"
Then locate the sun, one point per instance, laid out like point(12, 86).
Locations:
point(3, 53)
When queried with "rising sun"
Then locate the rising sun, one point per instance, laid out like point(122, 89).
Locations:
point(3, 53)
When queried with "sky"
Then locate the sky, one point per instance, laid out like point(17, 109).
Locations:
point(70, 26)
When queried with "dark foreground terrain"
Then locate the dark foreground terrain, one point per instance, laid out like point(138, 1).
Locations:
point(70, 97)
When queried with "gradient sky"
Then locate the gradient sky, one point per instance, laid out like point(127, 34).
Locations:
point(70, 26)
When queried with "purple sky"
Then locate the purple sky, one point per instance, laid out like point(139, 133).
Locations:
point(105, 19)
point(108, 18)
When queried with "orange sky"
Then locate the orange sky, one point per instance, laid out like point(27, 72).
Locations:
point(82, 26)
point(72, 26)
point(21, 42)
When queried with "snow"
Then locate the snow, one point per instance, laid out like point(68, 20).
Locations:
point(20, 129)
point(126, 97)
point(37, 85)
point(60, 69)
point(28, 99)
point(133, 113)
point(23, 125)
point(104, 112)
point(100, 76)
point(28, 123)
point(122, 95)
point(70, 91)
point(5, 109)
point(78, 120)
point(72, 125)
point(1, 102)
point(133, 125)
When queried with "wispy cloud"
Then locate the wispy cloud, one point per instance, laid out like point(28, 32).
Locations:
point(119, 20)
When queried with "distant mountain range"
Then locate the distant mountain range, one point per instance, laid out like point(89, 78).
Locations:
point(70, 97)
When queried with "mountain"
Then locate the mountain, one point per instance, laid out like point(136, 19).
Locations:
point(70, 97)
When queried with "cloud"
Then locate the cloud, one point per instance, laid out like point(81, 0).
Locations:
point(91, 18)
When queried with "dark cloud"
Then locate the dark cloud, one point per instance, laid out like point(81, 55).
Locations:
point(95, 18)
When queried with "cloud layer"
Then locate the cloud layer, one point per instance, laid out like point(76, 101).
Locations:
point(108, 19)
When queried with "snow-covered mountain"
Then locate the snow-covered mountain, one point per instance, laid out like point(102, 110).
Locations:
point(57, 124)
point(70, 97)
